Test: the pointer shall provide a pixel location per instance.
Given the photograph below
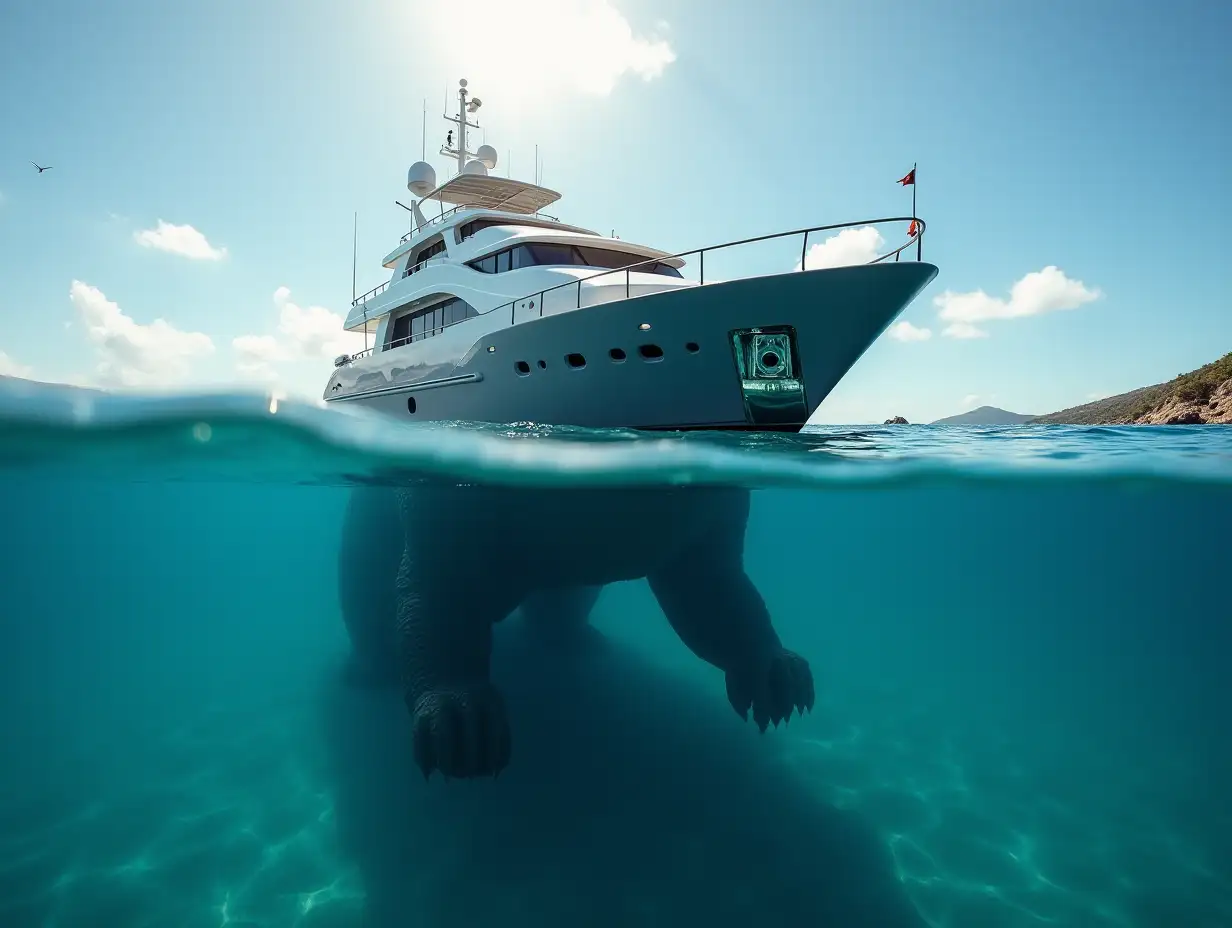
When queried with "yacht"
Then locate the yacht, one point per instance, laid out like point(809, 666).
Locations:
point(497, 312)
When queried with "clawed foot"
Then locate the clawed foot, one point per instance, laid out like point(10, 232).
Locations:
point(772, 688)
point(462, 732)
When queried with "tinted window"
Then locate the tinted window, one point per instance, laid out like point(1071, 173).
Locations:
point(554, 254)
point(601, 257)
point(542, 253)
point(434, 249)
point(428, 322)
point(604, 257)
point(522, 257)
point(475, 225)
point(402, 329)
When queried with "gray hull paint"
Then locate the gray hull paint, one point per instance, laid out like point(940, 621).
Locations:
point(837, 314)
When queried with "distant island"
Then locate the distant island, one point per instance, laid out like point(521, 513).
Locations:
point(1203, 396)
point(986, 415)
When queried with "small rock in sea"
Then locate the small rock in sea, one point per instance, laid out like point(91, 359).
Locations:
point(897, 420)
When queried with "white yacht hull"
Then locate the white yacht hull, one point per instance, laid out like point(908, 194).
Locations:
point(833, 316)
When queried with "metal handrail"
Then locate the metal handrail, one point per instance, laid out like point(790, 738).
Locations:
point(917, 240)
point(371, 293)
point(449, 212)
point(414, 269)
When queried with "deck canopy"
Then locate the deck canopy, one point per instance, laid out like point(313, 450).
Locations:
point(483, 191)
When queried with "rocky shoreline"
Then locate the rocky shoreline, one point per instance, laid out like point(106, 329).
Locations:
point(1200, 397)
point(1175, 411)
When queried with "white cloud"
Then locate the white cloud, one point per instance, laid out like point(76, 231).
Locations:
point(131, 354)
point(968, 401)
point(906, 332)
point(10, 368)
point(585, 46)
point(179, 240)
point(963, 330)
point(304, 333)
point(851, 246)
point(1036, 293)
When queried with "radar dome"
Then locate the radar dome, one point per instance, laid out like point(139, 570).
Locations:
point(421, 178)
point(475, 167)
point(487, 154)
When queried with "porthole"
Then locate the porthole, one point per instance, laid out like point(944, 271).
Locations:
point(576, 361)
point(650, 352)
point(692, 347)
point(617, 354)
point(521, 367)
point(543, 365)
point(410, 405)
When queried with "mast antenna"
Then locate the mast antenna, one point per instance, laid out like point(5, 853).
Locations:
point(456, 147)
point(423, 156)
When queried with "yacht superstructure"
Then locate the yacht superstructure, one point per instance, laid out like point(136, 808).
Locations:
point(497, 312)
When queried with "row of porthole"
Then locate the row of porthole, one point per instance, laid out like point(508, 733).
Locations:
point(648, 352)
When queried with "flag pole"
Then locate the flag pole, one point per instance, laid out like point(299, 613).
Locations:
point(919, 240)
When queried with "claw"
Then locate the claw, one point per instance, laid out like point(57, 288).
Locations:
point(783, 686)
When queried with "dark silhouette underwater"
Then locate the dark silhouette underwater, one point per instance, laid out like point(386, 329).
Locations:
point(635, 797)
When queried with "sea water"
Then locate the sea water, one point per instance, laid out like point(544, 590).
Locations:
point(1020, 639)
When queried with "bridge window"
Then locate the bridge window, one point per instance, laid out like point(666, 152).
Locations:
point(545, 253)
point(429, 251)
point(432, 320)
point(476, 225)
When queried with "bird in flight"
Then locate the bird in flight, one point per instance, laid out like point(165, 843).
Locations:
point(41, 170)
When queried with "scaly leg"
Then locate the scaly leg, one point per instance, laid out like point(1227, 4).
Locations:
point(444, 631)
point(718, 613)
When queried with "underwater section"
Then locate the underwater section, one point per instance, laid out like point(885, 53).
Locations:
point(1018, 640)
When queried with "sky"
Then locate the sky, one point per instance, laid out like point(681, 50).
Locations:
point(195, 228)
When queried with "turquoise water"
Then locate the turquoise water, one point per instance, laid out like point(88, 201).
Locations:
point(1020, 639)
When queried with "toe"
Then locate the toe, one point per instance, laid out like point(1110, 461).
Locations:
point(739, 695)
point(781, 690)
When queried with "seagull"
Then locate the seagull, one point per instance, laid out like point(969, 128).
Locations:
point(41, 170)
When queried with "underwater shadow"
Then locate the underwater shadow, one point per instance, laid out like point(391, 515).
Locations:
point(632, 798)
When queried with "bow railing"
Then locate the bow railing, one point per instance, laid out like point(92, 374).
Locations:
point(534, 301)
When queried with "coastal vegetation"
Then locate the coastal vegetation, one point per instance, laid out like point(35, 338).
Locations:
point(1198, 396)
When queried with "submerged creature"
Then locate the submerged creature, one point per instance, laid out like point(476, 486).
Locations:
point(425, 572)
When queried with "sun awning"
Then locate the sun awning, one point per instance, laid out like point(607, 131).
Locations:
point(483, 191)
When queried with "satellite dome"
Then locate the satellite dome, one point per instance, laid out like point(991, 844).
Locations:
point(487, 154)
point(421, 178)
point(475, 167)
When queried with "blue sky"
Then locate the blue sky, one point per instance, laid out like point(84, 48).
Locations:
point(1088, 138)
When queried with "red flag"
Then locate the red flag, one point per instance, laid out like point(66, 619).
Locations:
point(908, 179)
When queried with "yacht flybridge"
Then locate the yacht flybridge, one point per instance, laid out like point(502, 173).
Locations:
point(497, 312)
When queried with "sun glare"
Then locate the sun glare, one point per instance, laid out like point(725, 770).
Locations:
point(541, 47)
